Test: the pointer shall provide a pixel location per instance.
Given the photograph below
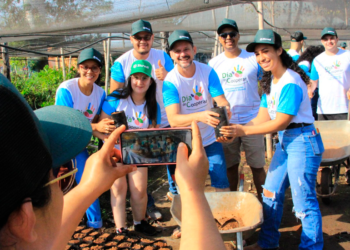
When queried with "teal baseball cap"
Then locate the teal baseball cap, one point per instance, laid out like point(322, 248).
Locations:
point(90, 54)
point(265, 37)
point(343, 45)
point(33, 143)
point(139, 26)
point(141, 66)
point(328, 31)
point(227, 23)
point(179, 35)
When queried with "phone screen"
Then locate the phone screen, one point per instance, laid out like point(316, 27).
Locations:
point(153, 146)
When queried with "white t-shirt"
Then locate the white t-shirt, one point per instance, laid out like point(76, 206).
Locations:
point(333, 75)
point(289, 96)
point(194, 94)
point(294, 54)
point(239, 79)
point(121, 69)
point(68, 94)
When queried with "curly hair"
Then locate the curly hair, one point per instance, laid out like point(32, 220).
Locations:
point(310, 53)
point(288, 63)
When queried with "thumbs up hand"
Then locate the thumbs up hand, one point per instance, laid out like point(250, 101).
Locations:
point(161, 71)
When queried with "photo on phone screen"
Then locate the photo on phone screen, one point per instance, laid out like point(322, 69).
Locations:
point(153, 146)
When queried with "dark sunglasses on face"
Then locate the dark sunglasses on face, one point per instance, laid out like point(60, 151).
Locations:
point(232, 34)
point(140, 38)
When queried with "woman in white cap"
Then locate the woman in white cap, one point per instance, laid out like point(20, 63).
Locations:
point(83, 94)
point(285, 107)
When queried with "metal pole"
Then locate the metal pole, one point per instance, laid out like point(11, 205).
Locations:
point(164, 41)
point(63, 65)
point(216, 36)
point(6, 61)
point(108, 45)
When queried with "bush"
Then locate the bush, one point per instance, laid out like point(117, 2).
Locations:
point(39, 89)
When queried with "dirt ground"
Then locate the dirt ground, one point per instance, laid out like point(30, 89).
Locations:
point(335, 217)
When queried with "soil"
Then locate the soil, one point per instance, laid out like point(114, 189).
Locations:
point(88, 239)
point(79, 228)
point(96, 247)
point(105, 236)
point(84, 245)
point(132, 240)
point(160, 244)
point(93, 234)
point(99, 241)
point(149, 248)
point(124, 244)
point(119, 237)
point(225, 223)
point(87, 231)
point(137, 246)
point(73, 242)
point(111, 244)
point(79, 236)
point(147, 241)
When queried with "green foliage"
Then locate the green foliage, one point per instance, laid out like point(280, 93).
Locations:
point(39, 88)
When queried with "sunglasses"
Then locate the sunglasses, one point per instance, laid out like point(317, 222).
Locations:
point(232, 34)
point(94, 69)
point(140, 38)
point(65, 176)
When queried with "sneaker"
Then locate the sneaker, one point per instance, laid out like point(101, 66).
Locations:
point(122, 231)
point(145, 228)
point(170, 196)
point(153, 213)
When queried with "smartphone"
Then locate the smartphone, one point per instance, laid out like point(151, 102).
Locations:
point(153, 146)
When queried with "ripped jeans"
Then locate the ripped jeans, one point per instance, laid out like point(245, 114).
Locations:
point(295, 164)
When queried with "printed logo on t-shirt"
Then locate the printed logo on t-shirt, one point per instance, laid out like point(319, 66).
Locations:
point(139, 118)
point(238, 71)
point(335, 67)
point(198, 94)
point(89, 112)
point(271, 105)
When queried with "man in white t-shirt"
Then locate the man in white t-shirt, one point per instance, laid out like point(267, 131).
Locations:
point(330, 71)
point(296, 44)
point(188, 92)
point(142, 40)
point(239, 73)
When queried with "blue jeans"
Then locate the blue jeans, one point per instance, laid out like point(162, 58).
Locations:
point(295, 164)
point(93, 213)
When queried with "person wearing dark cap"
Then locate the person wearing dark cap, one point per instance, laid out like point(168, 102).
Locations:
point(296, 44)
point(34, 212)
point(83, 94)
point(239, 73)
point(343, 45)
point(188, 92)
point(142, 38)
point(330, 72)
point(285, 108)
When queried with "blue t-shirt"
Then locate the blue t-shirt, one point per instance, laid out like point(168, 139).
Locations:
point(289, 96)
point(194, 94)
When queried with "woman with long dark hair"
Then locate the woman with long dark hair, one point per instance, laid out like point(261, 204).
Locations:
point(285, 107)
point(138, 101)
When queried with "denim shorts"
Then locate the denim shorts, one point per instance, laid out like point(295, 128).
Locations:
point(217, 165)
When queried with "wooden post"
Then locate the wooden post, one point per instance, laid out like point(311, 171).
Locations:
point(108, 47)
point(63, 65)
point(164, 41)
point(261, 15)
point(70, 62)
point(216, 36)
point(57, 63)
point(6, 62)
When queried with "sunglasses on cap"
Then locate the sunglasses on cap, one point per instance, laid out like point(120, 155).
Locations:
point(64, 175)
point(140, 38)
point(232, 34)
